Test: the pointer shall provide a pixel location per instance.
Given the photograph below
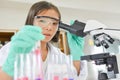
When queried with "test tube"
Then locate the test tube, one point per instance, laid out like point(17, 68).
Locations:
point(64, 67)
point(39, 62)
point(56, 74)
point(16, 68)
point(34, 70)
point(28, 66)
point(21, 76)
point(50, 72)
point(69, 62)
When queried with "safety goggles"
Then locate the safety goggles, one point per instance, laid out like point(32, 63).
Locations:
point(44, 21)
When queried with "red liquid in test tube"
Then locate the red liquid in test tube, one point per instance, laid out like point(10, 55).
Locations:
point(39, 62)
point(56, 77)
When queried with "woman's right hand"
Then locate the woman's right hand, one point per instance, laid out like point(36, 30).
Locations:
point(25, 39)
point(22, 42)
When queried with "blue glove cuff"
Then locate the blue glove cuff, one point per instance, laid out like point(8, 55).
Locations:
point(8, 66)
point(77, 56)
point(8, 70)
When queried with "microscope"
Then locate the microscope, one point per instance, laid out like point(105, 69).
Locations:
point(101, 36)
point(104, 58)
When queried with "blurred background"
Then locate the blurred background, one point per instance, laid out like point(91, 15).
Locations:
point(13, 12)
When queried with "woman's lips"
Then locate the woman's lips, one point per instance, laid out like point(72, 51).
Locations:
point(47, 35)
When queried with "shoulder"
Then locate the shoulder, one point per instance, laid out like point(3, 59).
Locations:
point(5, 48)
point(4, 53)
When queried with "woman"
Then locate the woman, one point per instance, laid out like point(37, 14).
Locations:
point(42, 24)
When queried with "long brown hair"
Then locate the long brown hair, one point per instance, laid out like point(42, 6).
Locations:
point(39, 7)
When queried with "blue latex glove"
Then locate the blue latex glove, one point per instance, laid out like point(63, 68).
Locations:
point(22, 42)
point(76, 45)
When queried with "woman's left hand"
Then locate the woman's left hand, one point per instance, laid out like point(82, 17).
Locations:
point(76, 45)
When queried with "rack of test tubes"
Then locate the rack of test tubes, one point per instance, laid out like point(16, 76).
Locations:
point(29, 66)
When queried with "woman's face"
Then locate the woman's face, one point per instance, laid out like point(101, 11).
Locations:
point(48, 20)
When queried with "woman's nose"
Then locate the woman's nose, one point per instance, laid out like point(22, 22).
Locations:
point(49, 27)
